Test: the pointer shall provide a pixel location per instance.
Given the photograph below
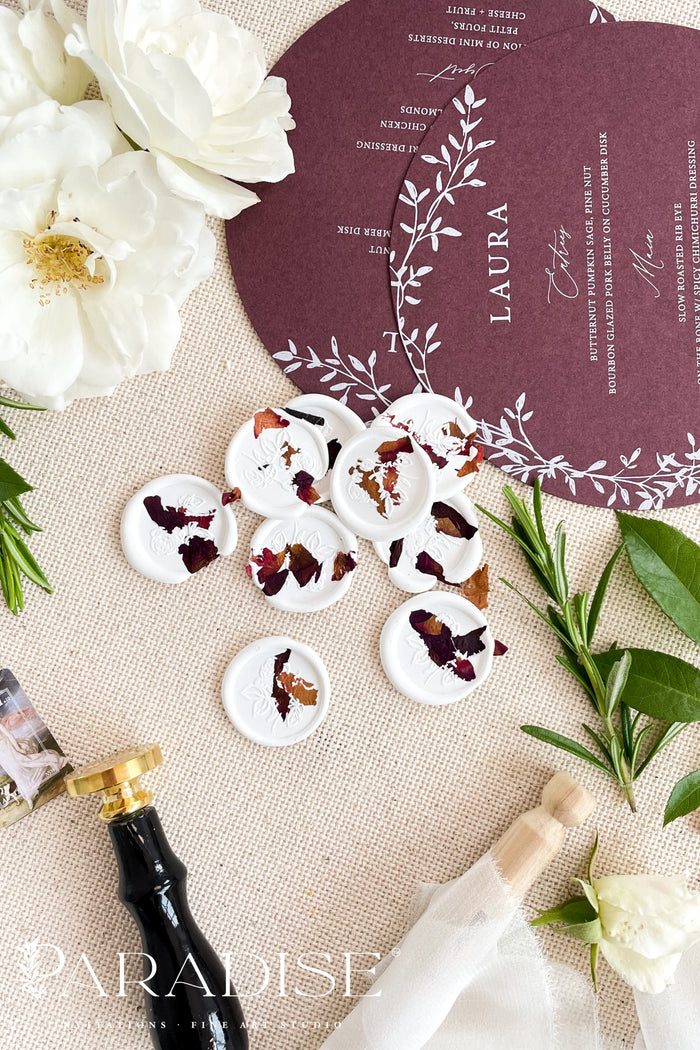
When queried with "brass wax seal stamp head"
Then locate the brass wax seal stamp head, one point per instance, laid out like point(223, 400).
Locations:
point(117, 777)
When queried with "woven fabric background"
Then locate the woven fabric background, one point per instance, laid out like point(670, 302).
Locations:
point(316, 847)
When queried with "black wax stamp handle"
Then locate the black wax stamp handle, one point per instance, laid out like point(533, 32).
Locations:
point(192, 1008)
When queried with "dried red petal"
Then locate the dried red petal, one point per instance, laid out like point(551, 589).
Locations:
point(171, 518)
point(395, 552)
point(268, 562)
point(390, 479)
point(464, 669)
point(476, 588)
point(198, 552)
point(427, 564)
point(472, 465)
point(334, 448)
point(450, 522)
point(389, 451)
point(444, 648)
point(275, 582)
point(499, 648)
point(343, 564)
point(302, 564)
point(287, 686)
point(230, 497)
point(304, 484)
point(268, 419)
point(288, 453)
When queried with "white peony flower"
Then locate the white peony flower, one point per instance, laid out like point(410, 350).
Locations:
point(34, 65)
point(190, 86)
point(647, 923)
point(96, 255)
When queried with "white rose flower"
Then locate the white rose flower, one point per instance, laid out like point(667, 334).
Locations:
point(34, 65)
point(641, 924)
point(190, 86)
point(96, 255)
point(647, 923)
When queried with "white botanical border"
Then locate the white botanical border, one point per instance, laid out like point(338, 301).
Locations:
point(507, 441)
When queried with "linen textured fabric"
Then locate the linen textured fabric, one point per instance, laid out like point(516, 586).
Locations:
point(317, 847)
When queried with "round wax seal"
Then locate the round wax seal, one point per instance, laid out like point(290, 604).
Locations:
point(336, 422)
point(436, 648)
point(446, 433)
point(303, 564)
point(382, 484)
point(175, 526)
point(275, 460)
point(446, 546)
point(276, 691)
point(561, 264)
point(366, 81)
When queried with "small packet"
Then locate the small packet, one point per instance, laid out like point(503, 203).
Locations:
point(32, 766)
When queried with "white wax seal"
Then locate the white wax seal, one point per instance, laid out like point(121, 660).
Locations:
point(175, 526)
point(436, 648)
point(276, 461)
point(382, 485)
point(276, 691)
point(303, 564)
point(445, 431)
point(336, 422)
point(446, 546)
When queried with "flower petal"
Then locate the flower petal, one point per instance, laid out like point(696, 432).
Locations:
point(646, 975)
point(220, 196)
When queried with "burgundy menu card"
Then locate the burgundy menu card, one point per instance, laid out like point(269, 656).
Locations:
point(310, 261)
point(552, 215)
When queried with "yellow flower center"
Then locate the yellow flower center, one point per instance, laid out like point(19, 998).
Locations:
point(59, 260)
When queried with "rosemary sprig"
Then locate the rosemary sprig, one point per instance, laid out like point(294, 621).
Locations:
point(619, 742)
point(16, 560)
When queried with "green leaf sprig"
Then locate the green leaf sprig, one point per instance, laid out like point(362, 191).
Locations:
point(667, 564)
point(624, 745)
point(16, 560)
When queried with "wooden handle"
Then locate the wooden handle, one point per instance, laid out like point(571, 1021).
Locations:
point(522, 854)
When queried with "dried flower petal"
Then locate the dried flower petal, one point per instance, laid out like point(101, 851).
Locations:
point(499, 648)
point(395, 552)
point(304, 484)
point(230, 497)
point(476, 588)
point(342, 565)
point(302, 564)
point(334, 448)
point(446, 649)
point(171, 518)
point(428, 565)
point(197, 552)
point(389, 451)
point(451, 523)
point(472, 465)
point(268, 419)
point(287, 686)
point(308, 417)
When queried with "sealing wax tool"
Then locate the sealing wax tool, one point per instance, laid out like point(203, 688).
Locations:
point(191, 1008)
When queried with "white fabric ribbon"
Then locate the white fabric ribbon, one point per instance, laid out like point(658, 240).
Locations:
point(469, 975)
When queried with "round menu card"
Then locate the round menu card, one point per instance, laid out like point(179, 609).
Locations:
point(310, 261)
point(552, 215)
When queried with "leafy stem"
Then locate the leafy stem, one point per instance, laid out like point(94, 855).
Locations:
point(617, 745)
point(16, 560)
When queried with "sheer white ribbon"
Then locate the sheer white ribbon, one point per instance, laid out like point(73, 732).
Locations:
point(469, 975)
